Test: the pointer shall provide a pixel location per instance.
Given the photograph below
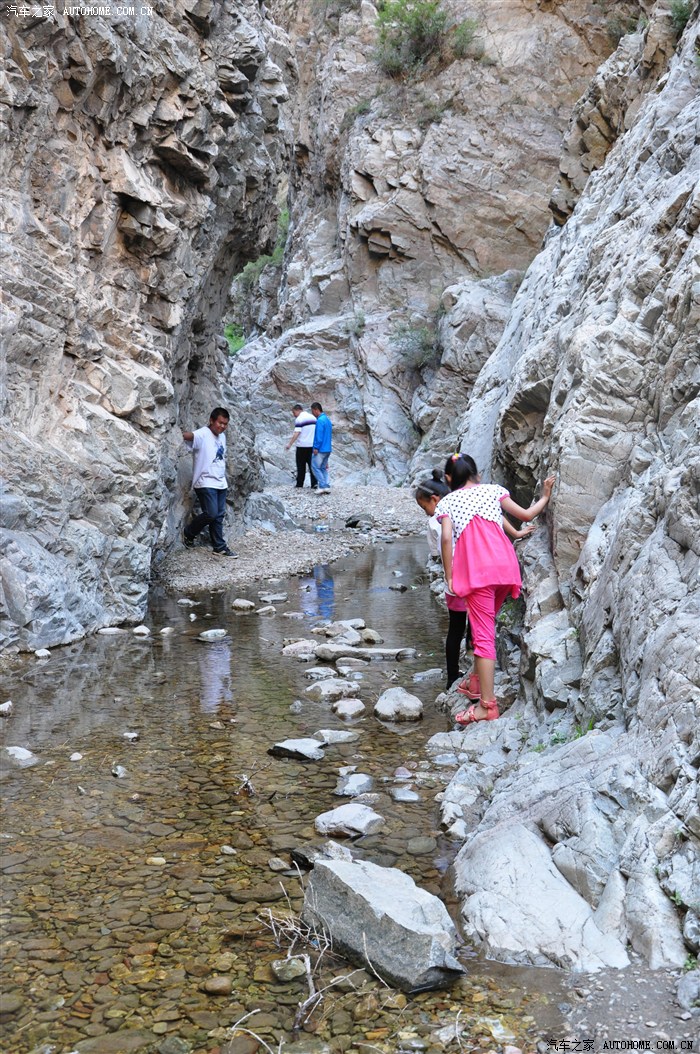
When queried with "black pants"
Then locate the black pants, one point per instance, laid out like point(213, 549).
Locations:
point(458, 625)
point(303, 459)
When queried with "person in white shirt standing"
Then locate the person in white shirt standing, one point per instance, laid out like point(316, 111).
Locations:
point(208, 446)
point(304, 429)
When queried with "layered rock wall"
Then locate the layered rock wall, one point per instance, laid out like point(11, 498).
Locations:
point(142, 155)
point(597, 378)
point(400, 189)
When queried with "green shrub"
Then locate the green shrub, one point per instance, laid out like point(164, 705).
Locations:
point(410, 32)
point(355, 111)
point(235, 336)
point(419, 346)
point(680, 13)
point(463, 38)
point(250, 275)
point(355, 326)
point(619, 26)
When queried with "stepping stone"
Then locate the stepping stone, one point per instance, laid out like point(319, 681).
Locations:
point(349, 820)
point(299, 749)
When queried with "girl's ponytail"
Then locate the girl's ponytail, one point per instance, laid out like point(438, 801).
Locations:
point(461, 469)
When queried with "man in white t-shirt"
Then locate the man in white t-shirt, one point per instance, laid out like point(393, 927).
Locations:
point(208, 446)
point(303, 437)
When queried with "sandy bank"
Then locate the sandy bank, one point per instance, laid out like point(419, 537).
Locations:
point(264, 554)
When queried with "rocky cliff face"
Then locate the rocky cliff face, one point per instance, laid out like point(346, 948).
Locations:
point(142, 158)
point(400, 189)
point(597, 377)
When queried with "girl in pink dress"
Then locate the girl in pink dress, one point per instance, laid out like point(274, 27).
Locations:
point(480, 564)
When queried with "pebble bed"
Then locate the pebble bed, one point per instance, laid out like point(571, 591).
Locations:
point(137, 878)
point(395, 513)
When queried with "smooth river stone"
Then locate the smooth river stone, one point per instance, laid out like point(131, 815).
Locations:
point(327, 691)
point(350, 820)
point(348, 708)
point(170, 920)
point(335, 735)
point(299, 749)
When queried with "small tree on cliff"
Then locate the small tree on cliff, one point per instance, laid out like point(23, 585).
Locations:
point(413, 32)
point(410, 32)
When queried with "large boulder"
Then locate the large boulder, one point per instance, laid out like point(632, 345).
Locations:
point(378, 916)
point(522, 910)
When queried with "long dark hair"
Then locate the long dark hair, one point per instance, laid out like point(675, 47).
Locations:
point(461, 469)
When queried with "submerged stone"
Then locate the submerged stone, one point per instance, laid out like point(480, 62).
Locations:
point(335, 735)
point(21, 757)
point(288, 969)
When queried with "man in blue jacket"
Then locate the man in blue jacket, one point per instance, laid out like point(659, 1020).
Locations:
point(322, 448)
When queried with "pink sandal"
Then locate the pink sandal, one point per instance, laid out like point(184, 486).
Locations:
point(470, 686)
point(468, 717)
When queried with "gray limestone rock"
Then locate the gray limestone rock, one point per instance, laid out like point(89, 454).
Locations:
point(331, 652)
point(347, 709)
point(307, 856)
point(396, 704)
point(378, 915)
point(300, 749)
point(520, 909)
point(299, 649)
point(319, 673)
point(349, 820)
point(331, 689)
point(336, 735)
point(353, 784)
point(243, 605)
point(688, 991)
point(21, 757)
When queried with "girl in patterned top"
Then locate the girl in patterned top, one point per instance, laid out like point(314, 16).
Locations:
point(480, 564)
point(428, 494)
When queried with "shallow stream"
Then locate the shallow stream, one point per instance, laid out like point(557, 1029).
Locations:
point(127, 926)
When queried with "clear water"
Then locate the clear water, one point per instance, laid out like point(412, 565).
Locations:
point(120, 911)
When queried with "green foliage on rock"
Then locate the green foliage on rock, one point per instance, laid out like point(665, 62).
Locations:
point(414, 32)
point(680, 13)
point(410, 31)
point(233, 331)
point(463, 39)
point(250, 274)
point(419, 345)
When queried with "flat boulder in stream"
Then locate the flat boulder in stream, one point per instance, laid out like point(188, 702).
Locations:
point(379, 917)
point(349, 820)
point(299, 749)
point(330, 652)
point(330, 689)
point(396, 704)
point(299, 649)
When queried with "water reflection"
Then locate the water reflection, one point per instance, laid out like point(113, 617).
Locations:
point(215, 676)
point(116, 890)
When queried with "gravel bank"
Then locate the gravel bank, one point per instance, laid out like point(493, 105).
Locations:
point(264, 554)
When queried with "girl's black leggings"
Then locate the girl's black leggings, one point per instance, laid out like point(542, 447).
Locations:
point(458, 627)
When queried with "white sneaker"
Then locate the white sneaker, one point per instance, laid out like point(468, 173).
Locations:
point(325, 490)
